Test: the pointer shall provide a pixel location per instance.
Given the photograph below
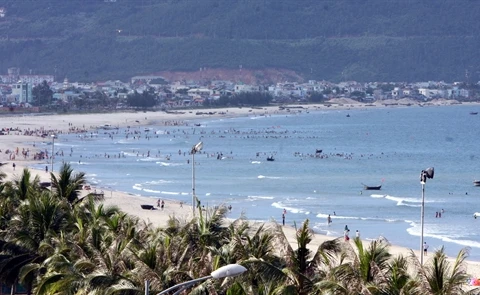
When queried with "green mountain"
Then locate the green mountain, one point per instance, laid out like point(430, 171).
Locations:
point(363, 40)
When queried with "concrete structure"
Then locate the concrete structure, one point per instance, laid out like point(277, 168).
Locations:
point(22, 92)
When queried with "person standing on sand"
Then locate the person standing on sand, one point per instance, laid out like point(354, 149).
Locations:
point(425, 248)
point(357, 234)
point(345, 235)
point(283, 219)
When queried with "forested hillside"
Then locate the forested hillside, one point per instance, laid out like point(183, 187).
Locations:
point(363, 40)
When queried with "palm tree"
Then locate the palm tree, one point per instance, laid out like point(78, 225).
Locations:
point(360, 270)
point(68, 185)
point(397, 280)
point(441, 277)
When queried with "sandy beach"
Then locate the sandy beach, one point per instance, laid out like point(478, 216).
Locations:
point(24, 130)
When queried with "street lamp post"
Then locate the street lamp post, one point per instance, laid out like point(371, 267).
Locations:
point(195, 149)
point(230, 270)
point(427, 173)
point(53, 146)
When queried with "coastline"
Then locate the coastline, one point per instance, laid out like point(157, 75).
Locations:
point(130, 203)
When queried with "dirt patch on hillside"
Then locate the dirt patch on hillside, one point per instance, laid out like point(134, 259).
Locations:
point(246, 76)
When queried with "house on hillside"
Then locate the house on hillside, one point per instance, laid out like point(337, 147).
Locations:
point(239, 88)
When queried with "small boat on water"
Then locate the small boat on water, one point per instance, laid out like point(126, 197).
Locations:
point(476, 182)
point(371, 188)
point(473, 113)
point(271, 159)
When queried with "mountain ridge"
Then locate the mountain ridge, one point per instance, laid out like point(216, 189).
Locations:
point(365, 40)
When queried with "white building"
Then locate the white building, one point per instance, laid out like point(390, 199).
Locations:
point(22, 92)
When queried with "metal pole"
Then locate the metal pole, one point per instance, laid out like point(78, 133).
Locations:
point(147, 287)
point(193, 182)
point(51, 157)
point(421, 222)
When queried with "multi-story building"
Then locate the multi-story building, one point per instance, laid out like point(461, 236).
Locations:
point(22, 92)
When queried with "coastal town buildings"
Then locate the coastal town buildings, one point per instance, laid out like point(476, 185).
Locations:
point(17, 89)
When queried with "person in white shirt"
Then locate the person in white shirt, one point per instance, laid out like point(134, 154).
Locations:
point(425, 248)
point(357, 234)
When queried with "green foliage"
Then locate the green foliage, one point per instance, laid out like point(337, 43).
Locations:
point(144, 100)
point(241, 99)
point(316, 97)
point(42, 94)
point(335, 40)
point(54, 242)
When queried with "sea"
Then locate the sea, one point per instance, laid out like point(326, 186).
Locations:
point(322, 160)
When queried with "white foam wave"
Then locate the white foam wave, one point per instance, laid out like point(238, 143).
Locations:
point(168, 164)
point(80, 163)
point(151, 191)
point(290, 209)
point(148, 159)
point(467, 243)
point(137, 186)
point(325, 216)
point(268, 177)
point(378, 196)
point(161, 181)
point(256, 162)
point(253, 198)
point(407, 200)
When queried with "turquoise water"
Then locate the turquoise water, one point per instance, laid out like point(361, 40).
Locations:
point(387, 147)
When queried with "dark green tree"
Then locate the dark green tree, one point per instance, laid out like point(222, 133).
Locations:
point(145, 100)
point(315, 97)
point(42, 94)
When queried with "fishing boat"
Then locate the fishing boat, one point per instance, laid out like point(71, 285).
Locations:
point(473, 113)
point(476, 182)
point(371, 188)
point(271, 159)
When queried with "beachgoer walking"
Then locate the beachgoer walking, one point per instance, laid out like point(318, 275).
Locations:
point(46, 168)
point(230, 208)
point(158, 203)
point(345, 235)
point(14, 166)
point(162, 204)
point(283, 219)
point(357, 234)
point(181, 204)
point(425, 248)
